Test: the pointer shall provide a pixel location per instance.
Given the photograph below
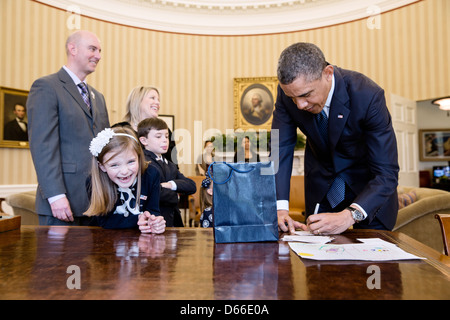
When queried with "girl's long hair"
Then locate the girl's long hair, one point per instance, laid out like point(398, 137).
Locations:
point(103, 192)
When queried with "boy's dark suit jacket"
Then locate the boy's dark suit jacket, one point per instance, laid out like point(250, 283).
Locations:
point(168, 203)
point(362, 147)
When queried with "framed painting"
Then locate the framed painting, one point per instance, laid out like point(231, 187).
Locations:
point(254, 102)
point(13, 118)
point(434, 144)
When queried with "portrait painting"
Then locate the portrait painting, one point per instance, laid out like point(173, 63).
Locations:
point(254, 102)
point(13, 118)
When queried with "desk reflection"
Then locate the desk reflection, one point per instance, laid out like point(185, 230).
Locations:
point(186, 264)
point(250, 271)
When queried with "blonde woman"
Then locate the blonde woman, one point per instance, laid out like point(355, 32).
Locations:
point(144, 102)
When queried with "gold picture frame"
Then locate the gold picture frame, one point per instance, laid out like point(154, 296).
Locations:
point(12, 106)
point(169, 119)
point(254, 102)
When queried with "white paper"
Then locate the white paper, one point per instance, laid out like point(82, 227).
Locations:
point(307, 238)
point(369, 250)
point(304, 233)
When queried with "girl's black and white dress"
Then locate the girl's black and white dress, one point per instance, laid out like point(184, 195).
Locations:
point(125, 214)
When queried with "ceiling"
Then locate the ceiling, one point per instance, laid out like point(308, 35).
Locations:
point(228, 17)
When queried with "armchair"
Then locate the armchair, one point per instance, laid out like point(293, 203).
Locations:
point(417, 219)
point(23, 205)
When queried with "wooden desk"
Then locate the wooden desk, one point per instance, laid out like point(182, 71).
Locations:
point(185, 263)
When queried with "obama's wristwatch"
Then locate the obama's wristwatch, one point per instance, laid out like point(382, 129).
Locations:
point(357, 215)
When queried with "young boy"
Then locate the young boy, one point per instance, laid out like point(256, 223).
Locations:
point(153, 134)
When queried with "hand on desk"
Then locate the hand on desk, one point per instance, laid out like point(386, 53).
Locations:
point(322, 223)
point(149, 223)
point(287, 224)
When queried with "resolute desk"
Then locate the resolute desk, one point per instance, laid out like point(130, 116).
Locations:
point(185, 264)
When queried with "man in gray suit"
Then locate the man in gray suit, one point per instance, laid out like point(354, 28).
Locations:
point(61, 125)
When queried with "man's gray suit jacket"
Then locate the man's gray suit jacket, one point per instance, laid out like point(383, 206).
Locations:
point(60, 129)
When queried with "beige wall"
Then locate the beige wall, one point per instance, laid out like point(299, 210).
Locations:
point(407, 56)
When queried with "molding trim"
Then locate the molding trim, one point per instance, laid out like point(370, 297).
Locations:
point(227, 17)
point(9, 189)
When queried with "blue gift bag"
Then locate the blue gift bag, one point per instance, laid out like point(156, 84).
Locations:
point(244, 202)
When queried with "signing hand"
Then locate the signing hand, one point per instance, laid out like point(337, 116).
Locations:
point(330, 222)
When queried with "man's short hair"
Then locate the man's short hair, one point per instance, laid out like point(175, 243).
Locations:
point(300, 59)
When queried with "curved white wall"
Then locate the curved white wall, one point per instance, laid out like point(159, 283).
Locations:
point(228, 17)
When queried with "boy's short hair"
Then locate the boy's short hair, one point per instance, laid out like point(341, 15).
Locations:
point(148, 124)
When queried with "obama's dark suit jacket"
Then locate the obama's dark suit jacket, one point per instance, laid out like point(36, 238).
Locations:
point(362, 147)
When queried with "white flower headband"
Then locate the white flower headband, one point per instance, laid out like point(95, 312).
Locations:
point(103, 138)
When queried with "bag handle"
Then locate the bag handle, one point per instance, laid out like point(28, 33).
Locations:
point(231, 172)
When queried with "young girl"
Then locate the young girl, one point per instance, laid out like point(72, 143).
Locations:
point(206, 192)
point(124, 192)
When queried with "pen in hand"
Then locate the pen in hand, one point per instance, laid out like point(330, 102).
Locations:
point(316, 210)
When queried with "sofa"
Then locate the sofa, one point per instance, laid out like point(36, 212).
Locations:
point(416, 219)
point(23, 205)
